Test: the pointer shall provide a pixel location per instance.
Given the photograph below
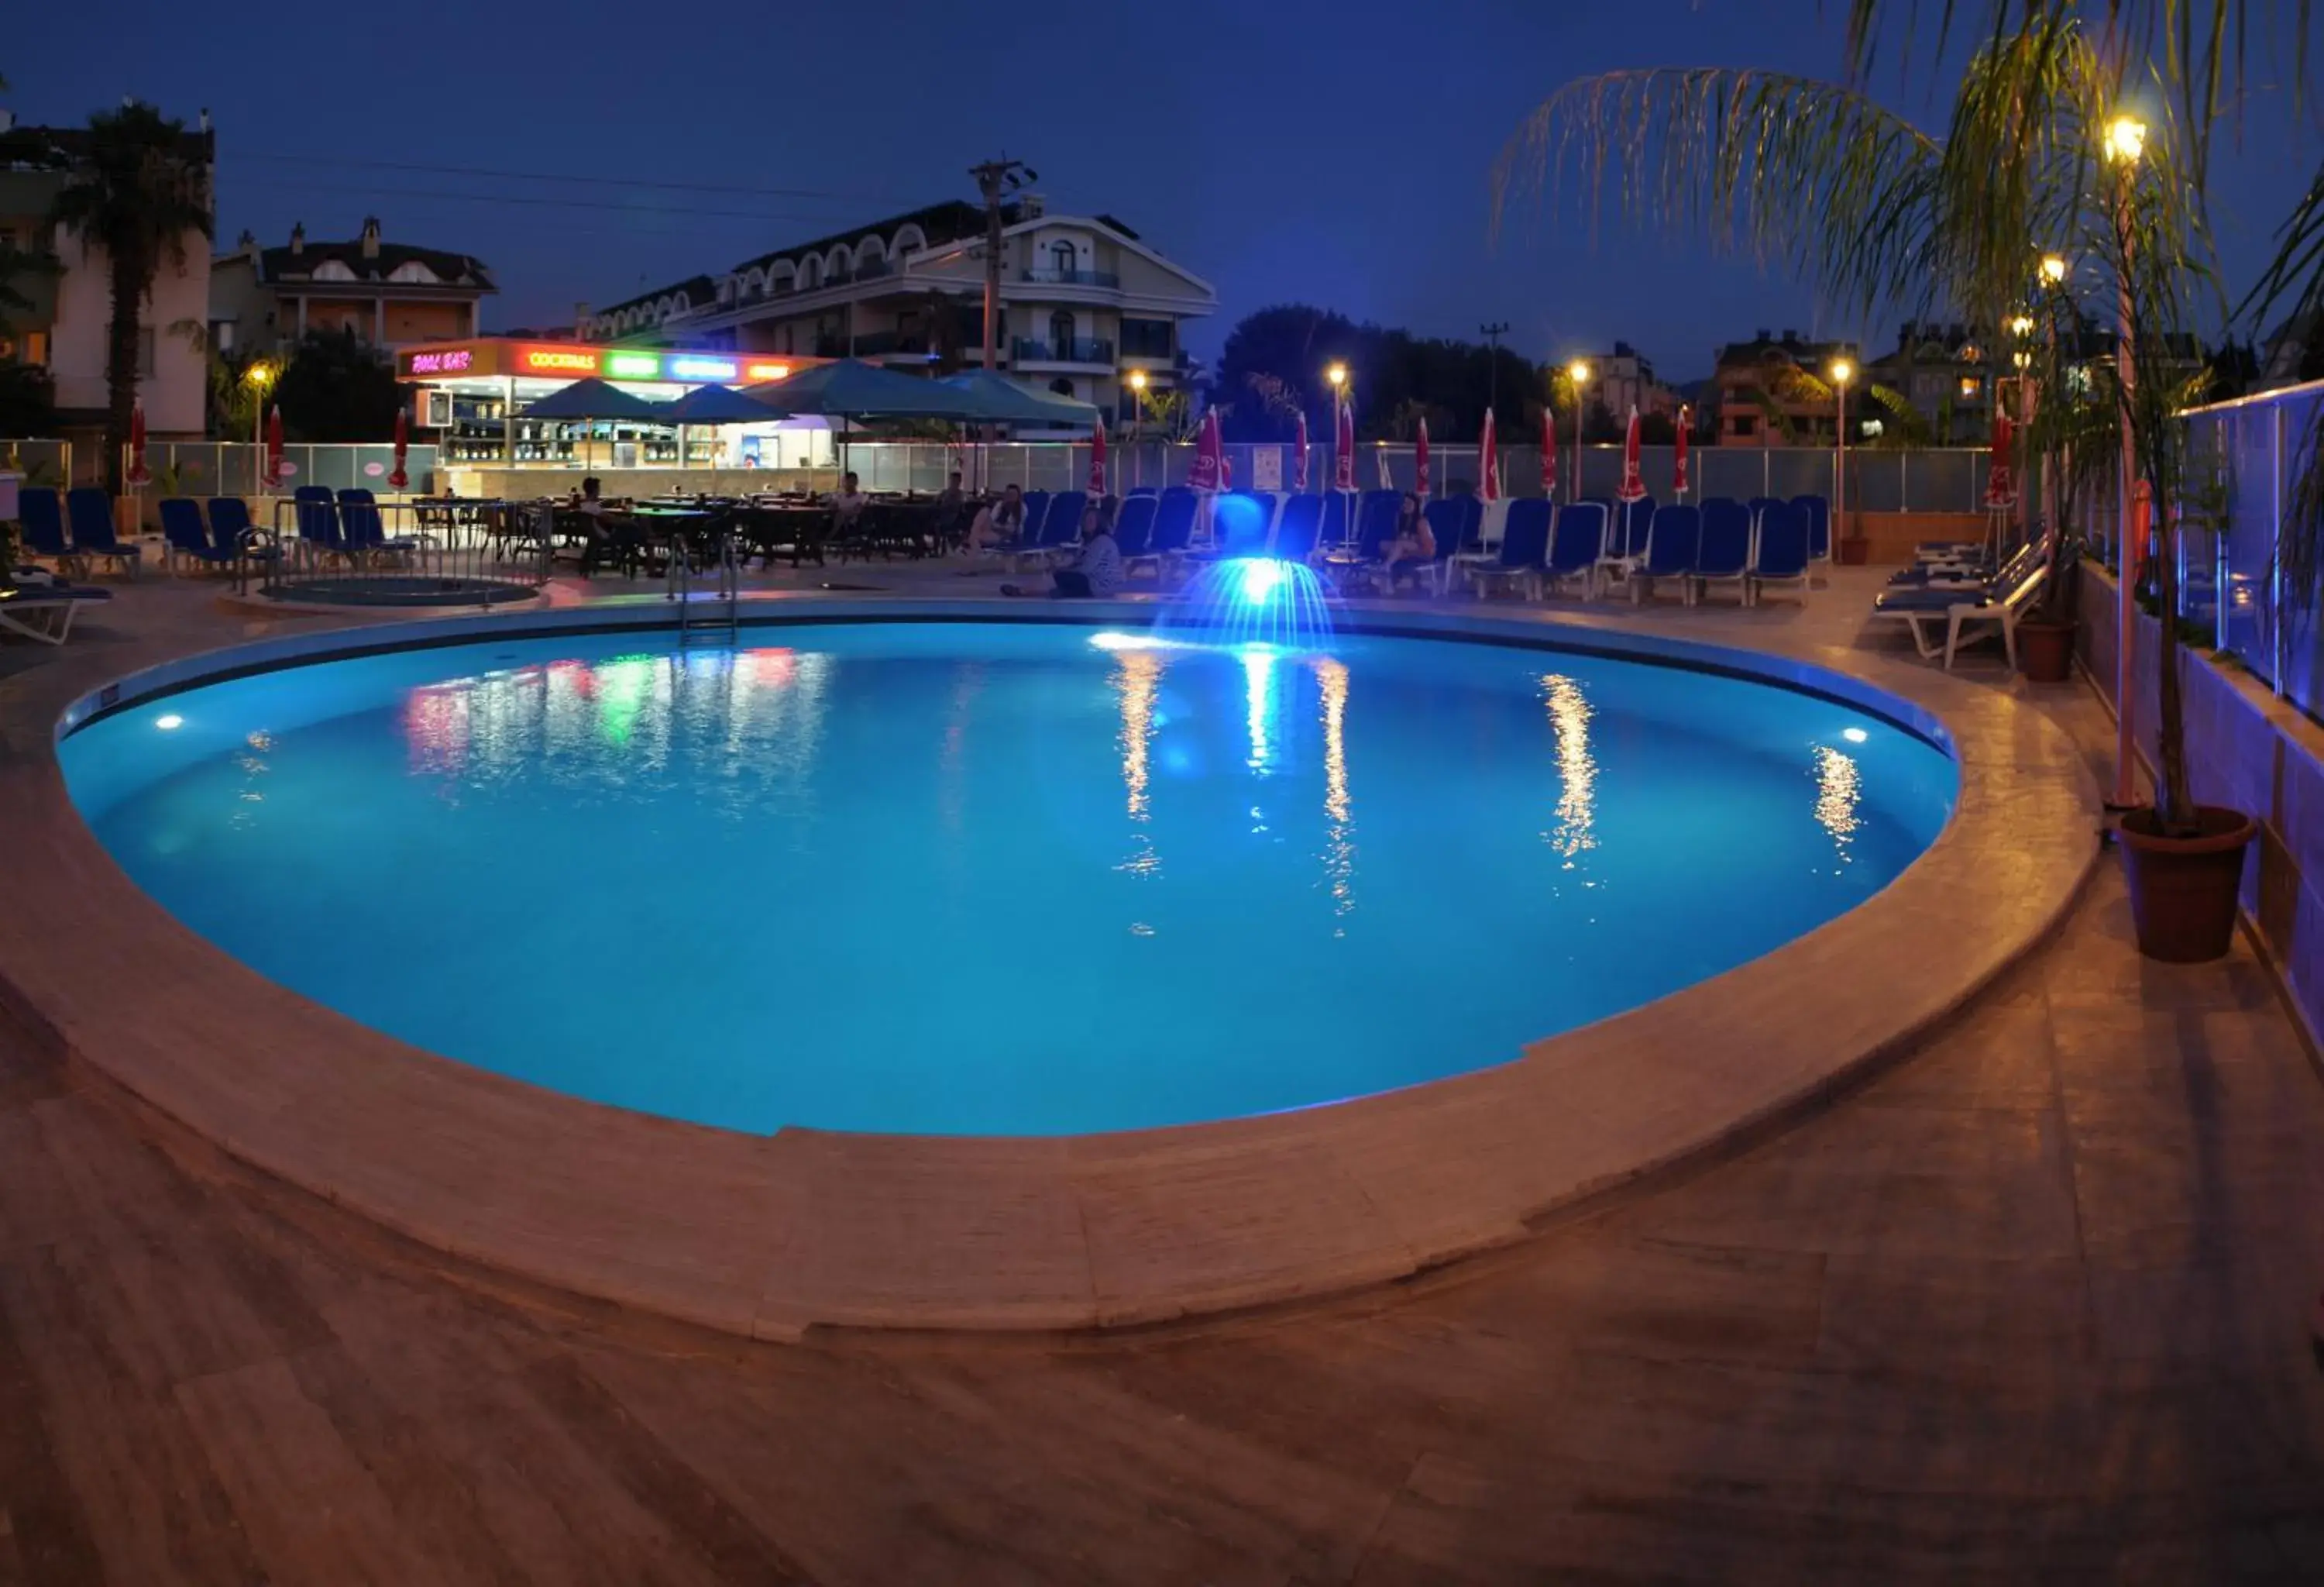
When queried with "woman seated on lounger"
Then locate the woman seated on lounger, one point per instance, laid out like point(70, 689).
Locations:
point(1415, 545)
point(1001, 524)
point(1096, 571)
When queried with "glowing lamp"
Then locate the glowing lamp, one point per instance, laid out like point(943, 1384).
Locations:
point(1580, 370)
point(1843, 372)
point(1855, 735)
point(1337, 374)
point(2053, 268)
point(260, 375)
point(170, 722)
point(2126, 140)
point(1137, 380)
point(2021, 325)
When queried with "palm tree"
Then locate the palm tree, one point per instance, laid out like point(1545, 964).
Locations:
point(135, 197)
point(1882, 216)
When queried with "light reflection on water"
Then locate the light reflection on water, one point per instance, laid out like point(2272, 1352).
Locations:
point(1840, 787)
point(1577, 793)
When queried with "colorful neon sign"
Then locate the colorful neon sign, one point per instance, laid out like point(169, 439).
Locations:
point(560, 358)
point(682, 367)
point(767, 371)
point(445, 362)
point(633, 365)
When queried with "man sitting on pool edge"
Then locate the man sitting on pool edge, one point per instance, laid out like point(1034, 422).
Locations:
point(1096, 572)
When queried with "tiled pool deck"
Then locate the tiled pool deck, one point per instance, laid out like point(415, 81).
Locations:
point(2028, 1303)
point(772, 1236)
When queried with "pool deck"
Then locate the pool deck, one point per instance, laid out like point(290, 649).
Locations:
point(2026, 1305)
point(772, 1236)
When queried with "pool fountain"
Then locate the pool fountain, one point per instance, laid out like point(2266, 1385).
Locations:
point(1251, 600)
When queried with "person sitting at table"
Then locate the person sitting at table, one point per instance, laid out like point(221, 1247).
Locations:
point(999, 524)
point(613, 535)
point(951, 506)
point(847, 506)
point(1096, 572)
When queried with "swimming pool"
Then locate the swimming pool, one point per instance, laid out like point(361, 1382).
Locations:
point(973, 878)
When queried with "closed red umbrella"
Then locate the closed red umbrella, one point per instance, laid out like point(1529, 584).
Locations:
point(274, 447)
point(1097, 461)
point(1420, 460)
point(1548, 453)
point(2000, 482)
point(137, 473)
point(1210, 457)
point(397, 478)
point(1488, 463)
point(1634, 484)
point(1678, 454)
point(1299, 468)
point(1343, 448)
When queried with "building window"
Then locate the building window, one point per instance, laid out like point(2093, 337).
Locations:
point(1061, 334)
point(1746, 423)
point(1145, 338)
point(1061, 258)
point(1062, 386)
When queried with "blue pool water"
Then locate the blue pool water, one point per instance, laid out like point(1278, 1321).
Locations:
point(951, 878)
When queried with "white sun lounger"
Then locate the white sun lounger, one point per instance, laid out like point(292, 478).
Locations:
point(1943, 620)
point(46, 612)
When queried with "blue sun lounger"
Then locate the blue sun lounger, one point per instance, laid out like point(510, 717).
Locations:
point(1780, 552)
point(1672, 542)
point(1575, 545)
point(91, 513)
point(1525, 549)
point(1724, 554)
point(185, 539)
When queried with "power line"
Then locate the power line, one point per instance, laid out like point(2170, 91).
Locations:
point(542, 176)
point(368, 193)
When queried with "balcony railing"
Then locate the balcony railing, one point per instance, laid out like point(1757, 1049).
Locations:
point(879, 342)
point(1079, 350)
point(1070, 277)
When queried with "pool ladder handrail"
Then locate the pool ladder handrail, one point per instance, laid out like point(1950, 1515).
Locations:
point(729, 598)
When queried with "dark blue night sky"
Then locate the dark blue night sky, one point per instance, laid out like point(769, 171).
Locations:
point(1286, 150)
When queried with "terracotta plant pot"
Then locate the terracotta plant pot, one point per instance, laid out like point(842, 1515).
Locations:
point(1854, 550)
point(2045, 650)
point(2183, 890)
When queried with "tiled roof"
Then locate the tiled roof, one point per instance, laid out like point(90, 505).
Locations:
point(282, 264)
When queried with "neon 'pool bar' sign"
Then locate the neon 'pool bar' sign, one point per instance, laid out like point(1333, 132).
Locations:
point(500, 355)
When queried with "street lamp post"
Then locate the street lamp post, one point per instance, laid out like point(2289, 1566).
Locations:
point(1578, 371)
point(1137, 427)
point(258, 377)
point(2126, 142)
point(2021, 325)
point(1337, 374)
point(1843, 372)
point(2052, 277)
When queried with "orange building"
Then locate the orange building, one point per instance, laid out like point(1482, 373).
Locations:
point(391, 294)
point(1761, 405)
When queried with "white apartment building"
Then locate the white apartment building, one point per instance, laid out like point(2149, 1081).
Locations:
point(66, 326)
point(1084, 301)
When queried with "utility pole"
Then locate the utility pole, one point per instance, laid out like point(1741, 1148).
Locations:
point(996, 179)
point(1493, 334)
